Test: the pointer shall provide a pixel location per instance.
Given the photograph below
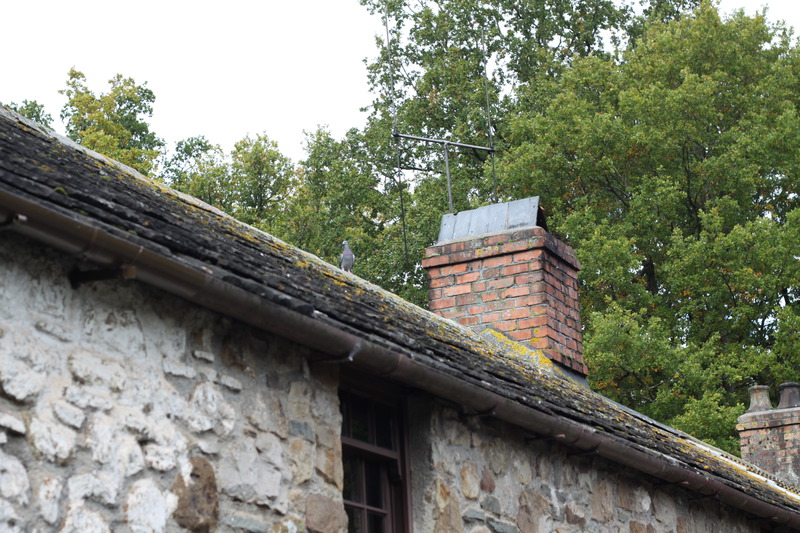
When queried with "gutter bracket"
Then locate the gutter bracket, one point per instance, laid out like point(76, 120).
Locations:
point(13, 220)
point(560, 436)
point(341, 359)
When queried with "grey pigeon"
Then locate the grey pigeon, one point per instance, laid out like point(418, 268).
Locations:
point(347, 258)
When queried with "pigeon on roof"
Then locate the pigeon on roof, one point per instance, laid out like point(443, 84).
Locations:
point(347, 259)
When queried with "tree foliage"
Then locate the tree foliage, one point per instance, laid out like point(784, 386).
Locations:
point(443, 64)
point(263, 179)
point(673, 172)
point(112, 123)
point(34, 111)
point(200, 169)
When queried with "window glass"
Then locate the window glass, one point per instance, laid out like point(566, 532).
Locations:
point(374, 492)
point(374, 483)
point(353, 520)
point(352, 478)
point(383, 427)
point(375, 523)
point(359, 421)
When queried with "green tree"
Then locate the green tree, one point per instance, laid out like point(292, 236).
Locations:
point(673, 171)
point(263, 179)
point(201, 169)
point(34, 111)
point(177, 168)
point(429, 82)
point(255, 183)
point(113, 123)
point(336, 196)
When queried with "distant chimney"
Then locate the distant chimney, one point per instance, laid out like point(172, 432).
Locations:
point(770, 438)
point(497, 266)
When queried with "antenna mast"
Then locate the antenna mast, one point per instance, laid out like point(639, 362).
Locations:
point(488, 114)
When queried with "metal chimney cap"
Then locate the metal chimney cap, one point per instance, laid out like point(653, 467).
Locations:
point(492, 219)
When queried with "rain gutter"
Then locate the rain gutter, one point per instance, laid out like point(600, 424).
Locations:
point(198, 285)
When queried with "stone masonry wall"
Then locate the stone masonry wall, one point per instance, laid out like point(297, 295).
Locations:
point(478, 475)
point(124, 409)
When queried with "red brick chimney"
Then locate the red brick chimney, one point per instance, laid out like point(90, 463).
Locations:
point(496, 267)
point(770, 438)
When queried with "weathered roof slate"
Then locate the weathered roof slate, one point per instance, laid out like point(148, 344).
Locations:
point(45, 177)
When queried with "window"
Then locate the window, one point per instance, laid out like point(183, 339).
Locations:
point(375, 488)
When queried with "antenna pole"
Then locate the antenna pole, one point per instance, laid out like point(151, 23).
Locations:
point(447, 169)
point(402, 201)
point(488, 113)
point(445, 145)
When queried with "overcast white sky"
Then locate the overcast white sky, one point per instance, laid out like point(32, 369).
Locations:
point(219, 69)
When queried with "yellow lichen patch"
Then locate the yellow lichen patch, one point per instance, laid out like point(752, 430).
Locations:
point(755, 475)
point(523, 352)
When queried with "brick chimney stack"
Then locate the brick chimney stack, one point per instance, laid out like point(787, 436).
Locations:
point(770, 438)
point(497, 266)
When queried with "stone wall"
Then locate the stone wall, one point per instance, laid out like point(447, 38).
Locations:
point(478, 475)
point(124, 409)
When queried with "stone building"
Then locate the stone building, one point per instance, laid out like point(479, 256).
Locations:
point(164, 368)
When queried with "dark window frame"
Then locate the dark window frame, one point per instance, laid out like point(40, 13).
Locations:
point(392, 462)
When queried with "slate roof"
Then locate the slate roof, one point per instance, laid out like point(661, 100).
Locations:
point(53, 190)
